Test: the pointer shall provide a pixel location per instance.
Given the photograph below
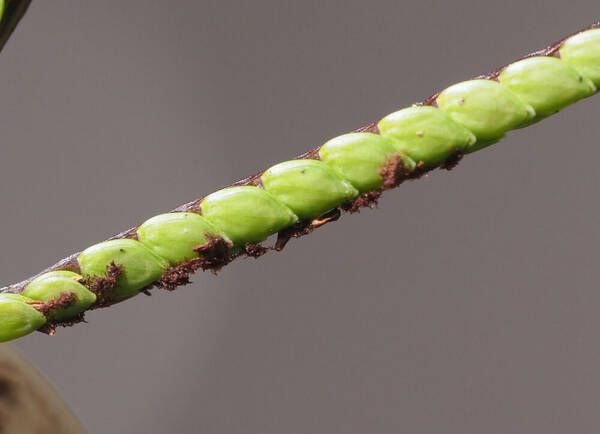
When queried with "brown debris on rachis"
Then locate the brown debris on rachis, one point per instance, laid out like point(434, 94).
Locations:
point(212, 255)
point(103, 286)
point(46, 307)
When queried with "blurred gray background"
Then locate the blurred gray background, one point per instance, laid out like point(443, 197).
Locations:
point(467, 303)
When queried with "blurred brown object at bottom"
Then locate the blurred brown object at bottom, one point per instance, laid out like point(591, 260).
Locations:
point(28, 404)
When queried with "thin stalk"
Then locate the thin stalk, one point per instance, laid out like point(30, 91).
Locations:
point(13, 12)
point(442, 127)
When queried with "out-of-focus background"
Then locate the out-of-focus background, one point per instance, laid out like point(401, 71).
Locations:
point(468, 302)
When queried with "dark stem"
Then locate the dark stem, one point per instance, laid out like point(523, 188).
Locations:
point(13, 12)
point(180, 275)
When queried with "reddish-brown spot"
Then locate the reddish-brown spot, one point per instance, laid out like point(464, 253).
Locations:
point(50, 327)
point(295, 231)
point(255, 250)
point(212, 255)
point(452, 160)
point(365, 200)
point(103, 286)
point(328, 217)
point(304, 228)
point(47, 307)
point(393, 172)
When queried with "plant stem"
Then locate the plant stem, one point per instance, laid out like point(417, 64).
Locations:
point(13, 12)
point(396, 176)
